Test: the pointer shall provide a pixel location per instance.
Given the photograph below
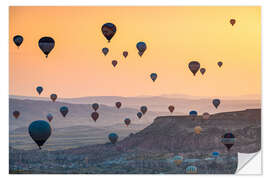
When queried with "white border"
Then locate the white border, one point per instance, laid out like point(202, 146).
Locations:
point(4, 75)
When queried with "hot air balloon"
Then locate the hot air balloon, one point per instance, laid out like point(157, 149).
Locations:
point(191, 170)
point(64, 111)
point(215, 154)
point(95, 106)
point(105, 51)
point(46, 44)
point(18, 39)
point(118, 104)
point(202, 70)
point(171, 108)
point(197, 129)
point(49, 117)
point(141, 46)
point(53, 97)
point(206, 116)
point(114, 63)
point(220, 63)
point(108, 30)
point(125, 54)
point(228, 140)
point(216, 102)
point(39, 89)
point(194, 66)
point(143, 109)
point(39, 131)
point(16, 114)
point(153, 76)
point(193, 114)
point(113, 137)
point(232, 21)
point(139, 115)
point(127, 121)
point(178, 160)
point(95, 116)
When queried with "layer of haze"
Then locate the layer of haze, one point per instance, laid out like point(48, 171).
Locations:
point(174, 37)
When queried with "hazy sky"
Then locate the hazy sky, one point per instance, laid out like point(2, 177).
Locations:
point(174, 37)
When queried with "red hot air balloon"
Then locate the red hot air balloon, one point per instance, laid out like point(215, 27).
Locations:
point(232, 21)
point(114, 63)
point(118, 104)
point(194, 66)
point(127, 121)
point(94, 116)
point(171, 108)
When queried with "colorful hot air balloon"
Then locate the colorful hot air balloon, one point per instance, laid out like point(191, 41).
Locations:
point(95, 116)
point(139, 115)
point(178, 160)
point(39, 90)
point(95, 106)
point(202, 70)
point(39, 131)
point(114, 63)
point(143, 109)
point(232, 21)
point(16, 114)
point(53, 97)
point(153, 76)
point(49, 117)
point(18, 39)
point(171, 108)
point(127, 121)
point(105, 51)
point(118, 104)
point(64, 111)
point(215, 154)
point(216, 102)
point(220, 63)
point(108, 30)
point(46, 44)
point(197, 129)
point(125, 54)
point(113, 137)
point(206, 116)
point(193, 114)
point(141, 46)
point(191, 170)
point(194, 66)
point(228, 140)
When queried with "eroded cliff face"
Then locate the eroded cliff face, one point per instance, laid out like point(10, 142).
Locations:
point(176, 133)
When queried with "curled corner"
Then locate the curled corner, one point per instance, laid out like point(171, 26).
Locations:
point(249, 163)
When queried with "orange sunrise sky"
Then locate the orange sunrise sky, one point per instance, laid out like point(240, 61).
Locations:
point(174, 36)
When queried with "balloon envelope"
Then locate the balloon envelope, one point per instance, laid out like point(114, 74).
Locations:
point(193, 113)
point(228, 139)
point(197, 129)
point(141, 46)
point(171, 108)
point(125, 54)
point(49, 117)
point(118, 104)
point(95, 106)
point(46, 44)
point(143, 109)
point(39, 89)
point(191, 170)
point(105, 51)
point(16, 114)
point(220, 63)
point(95, 116)
point(216, 102)
point(127, 121)
point(18, 39)
point(194, 66)
point(153, 76)
point(113, 137)
point(232, 21)
point(178, 160)
point(39, 131)
point(108, 30)
point(139, 115)
point(206, 116)
point(202, 70)
point(64, 111)
point(114, 63)
point(53, 97)
point(215, 154)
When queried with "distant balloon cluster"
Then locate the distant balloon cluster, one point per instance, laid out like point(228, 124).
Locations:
point(40, 130)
